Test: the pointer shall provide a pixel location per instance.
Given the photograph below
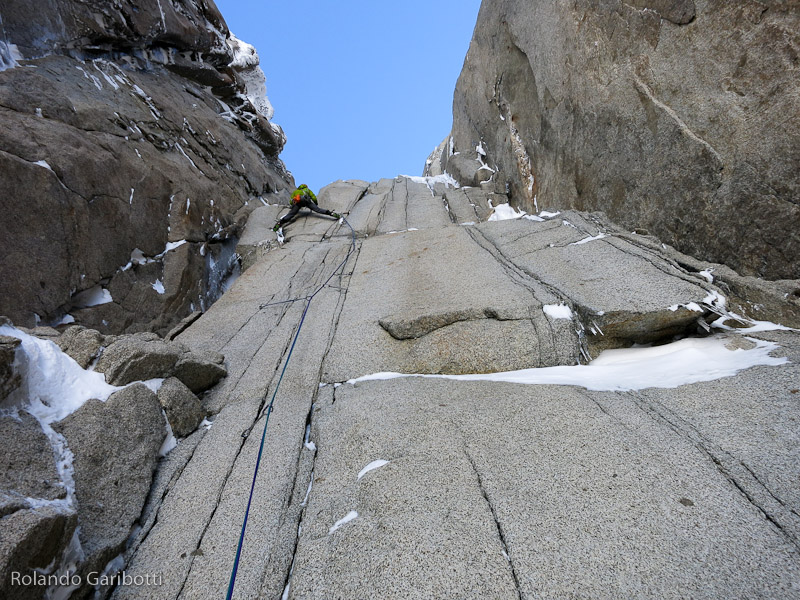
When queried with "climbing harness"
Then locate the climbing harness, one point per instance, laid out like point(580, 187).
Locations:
point(308, 300)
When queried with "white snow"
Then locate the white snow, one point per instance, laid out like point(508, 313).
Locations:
point(186, 156)
point(65, 320)
point(375, 464)
point(549, 215)
point(91, 78)
point(52, 387)
point(343, 521)
point(170, 246)
point(153, 384)
point(55, 384)
point(431, 181)
point(158, 286)
point(308, 491)
point(588, 239)
point(206, 424)
point(73, 556)
point(92, 297)
point(716, 300)
point(557, 311)
point(481, 159)
point(228, 282)
point(147, 100)
point(755, 326)
point(691, 306)
point(310, 446)
point(668, 366)
point(169, 442)
point(246, 61)
point(503, 212)
point(43, 163)
point(109, 80)
point(707, 273)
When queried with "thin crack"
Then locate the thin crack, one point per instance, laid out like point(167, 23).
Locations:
point(258, 416)
point(724, 462)
point(500, 532)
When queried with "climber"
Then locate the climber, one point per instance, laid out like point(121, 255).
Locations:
point(303, 197)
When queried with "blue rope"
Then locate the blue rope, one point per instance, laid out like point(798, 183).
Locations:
point(308, 300)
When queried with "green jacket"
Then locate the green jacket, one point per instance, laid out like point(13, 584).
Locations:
point(303, 190)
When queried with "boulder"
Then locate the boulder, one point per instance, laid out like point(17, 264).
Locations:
point(642, 109)
point(81, 344)
point(200, 370)
point(27, 464)
point(131, 359)
point(184, 411)
point(32, 539)
point(115, 446)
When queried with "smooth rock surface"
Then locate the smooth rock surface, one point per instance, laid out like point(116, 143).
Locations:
point(676, 116)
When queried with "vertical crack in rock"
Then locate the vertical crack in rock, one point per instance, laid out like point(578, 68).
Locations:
point(785, 520)
point(296, 521)
point(518, 274)
point(500, 532)
point(245, 435)
point(288, 566)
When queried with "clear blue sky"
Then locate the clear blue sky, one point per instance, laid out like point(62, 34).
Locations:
point(363, 90)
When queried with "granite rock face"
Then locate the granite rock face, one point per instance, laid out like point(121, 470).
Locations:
point(676, 116)
point(135, 141)
point(463, 486)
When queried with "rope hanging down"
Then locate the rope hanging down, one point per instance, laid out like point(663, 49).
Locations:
point(308, 300)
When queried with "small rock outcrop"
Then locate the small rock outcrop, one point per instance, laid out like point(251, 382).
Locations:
point(136, 359)
point(135, 141)
point(184, 411)
point(645, 110)
point(144, 356)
